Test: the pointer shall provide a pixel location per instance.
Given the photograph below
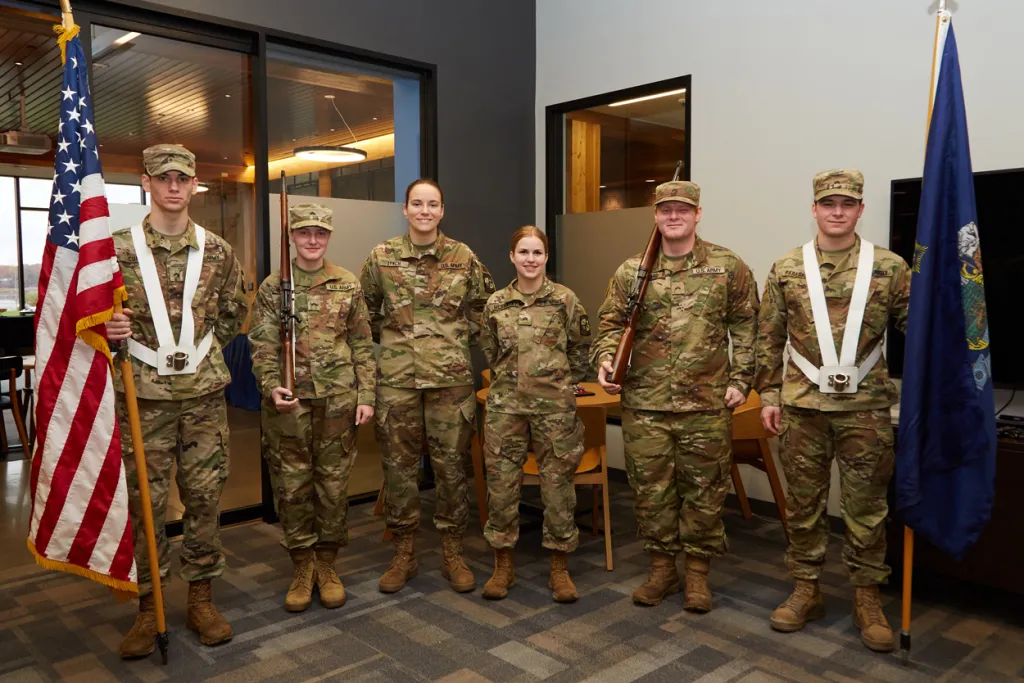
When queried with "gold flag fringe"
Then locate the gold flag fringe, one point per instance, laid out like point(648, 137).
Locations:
point(119, 586)
point(93, 339)
point(64, 36)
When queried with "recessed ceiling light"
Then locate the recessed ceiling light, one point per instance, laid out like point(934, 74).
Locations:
point(203, 187)
point(374, 118)
point(648, 97)
point(18, 63)
point(650, 180)
point(328, 97)
point(602, 186)
point(332, 130)
point(228, 96)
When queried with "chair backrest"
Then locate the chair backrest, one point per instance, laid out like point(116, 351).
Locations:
point(8, 363)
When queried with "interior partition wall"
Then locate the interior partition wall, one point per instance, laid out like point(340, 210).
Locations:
point(245, 99)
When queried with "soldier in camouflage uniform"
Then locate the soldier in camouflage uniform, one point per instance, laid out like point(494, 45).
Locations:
point(311, 437)
point(182, 408)
point(679, 391)
point(535, 337)
point(426, 293)
point(808, 420)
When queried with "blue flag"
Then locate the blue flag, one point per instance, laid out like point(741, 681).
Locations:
point(945, 465)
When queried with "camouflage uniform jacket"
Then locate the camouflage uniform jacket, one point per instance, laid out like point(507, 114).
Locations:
point(425, 309)
point(692, 306)
point(786, 312)
point(220, 304)
point(536, 345)
point(333, 349)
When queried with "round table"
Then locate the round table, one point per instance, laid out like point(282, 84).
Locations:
point(600, 399)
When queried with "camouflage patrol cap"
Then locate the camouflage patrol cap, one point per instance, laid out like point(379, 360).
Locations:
point(163, 158)
point(678, 191)
point(309, 216)
point(848, 182)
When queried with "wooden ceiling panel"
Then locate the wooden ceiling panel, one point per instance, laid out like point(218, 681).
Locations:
point(154, 89)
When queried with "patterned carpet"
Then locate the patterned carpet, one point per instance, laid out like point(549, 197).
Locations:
point(55, 627)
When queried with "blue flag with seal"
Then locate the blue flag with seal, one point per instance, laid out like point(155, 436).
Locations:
point(946, 454)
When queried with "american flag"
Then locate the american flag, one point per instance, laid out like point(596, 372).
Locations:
point(80, 521)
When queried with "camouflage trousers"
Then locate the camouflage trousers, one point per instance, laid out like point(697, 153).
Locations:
point(862, 444)
point(557, 440)
point(446, 417)
point(310, 453)
point(678, 465)
point(194, 434)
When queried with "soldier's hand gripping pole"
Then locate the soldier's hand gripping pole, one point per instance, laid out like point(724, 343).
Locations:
point(287, 313)
point(132, 405)
point(620, 362)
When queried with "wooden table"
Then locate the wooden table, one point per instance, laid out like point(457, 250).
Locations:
point(601, 400)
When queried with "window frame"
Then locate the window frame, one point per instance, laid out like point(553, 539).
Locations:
point(554, 147)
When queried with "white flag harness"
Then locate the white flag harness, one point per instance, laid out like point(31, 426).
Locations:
point(838, 375)
point(183, 357)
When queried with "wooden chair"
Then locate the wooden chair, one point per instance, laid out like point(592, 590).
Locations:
point(750, 447)
point(11, 368)
point(592, 470)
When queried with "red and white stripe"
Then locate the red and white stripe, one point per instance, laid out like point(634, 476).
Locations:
point(80, 503)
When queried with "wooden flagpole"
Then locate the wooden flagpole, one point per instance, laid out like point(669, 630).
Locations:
point(131, 402)
point(908, 533)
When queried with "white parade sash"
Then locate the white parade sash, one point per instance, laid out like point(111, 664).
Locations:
point(171, 358)
point(837, 375)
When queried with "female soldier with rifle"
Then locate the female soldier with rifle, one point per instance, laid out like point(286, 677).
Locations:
point(313, 359)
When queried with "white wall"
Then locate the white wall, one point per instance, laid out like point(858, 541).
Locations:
point(782, 90)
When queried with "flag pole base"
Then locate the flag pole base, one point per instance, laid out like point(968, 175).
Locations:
point(905, 646)
point(162, 642)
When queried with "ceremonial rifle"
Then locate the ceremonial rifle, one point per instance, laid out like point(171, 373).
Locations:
point(620, 362)
point(287, 313)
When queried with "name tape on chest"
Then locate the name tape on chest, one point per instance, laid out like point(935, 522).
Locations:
point(708, 270)
point(340, 286)
point(451, 266)
point(389, 263)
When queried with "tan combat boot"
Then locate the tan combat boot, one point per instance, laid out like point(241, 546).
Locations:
point(140, 641)
point(804, 604)
point(328, 585)
point(661, 582)
point(300, 593)
point(875, 631)
point(403, 567)
point(561, 585)
point(698, 595)
point(203, 617)
point(455, 570)
point(504, 576)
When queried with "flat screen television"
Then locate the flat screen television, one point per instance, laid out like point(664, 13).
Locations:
point(1001, 231)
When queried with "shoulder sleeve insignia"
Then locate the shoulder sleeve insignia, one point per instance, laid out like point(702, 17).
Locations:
point(584, 325)
point(488, 283)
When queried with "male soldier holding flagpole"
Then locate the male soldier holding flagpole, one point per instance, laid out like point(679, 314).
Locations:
point(186, 300)
point(839, 287)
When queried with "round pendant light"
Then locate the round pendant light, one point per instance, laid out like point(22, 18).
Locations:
point(332, 153)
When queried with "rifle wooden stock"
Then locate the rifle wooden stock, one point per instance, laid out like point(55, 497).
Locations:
point(620, 362)
point(287, 313)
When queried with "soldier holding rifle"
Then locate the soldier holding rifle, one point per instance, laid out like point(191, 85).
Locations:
point(314, 400)
point(681, 301)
